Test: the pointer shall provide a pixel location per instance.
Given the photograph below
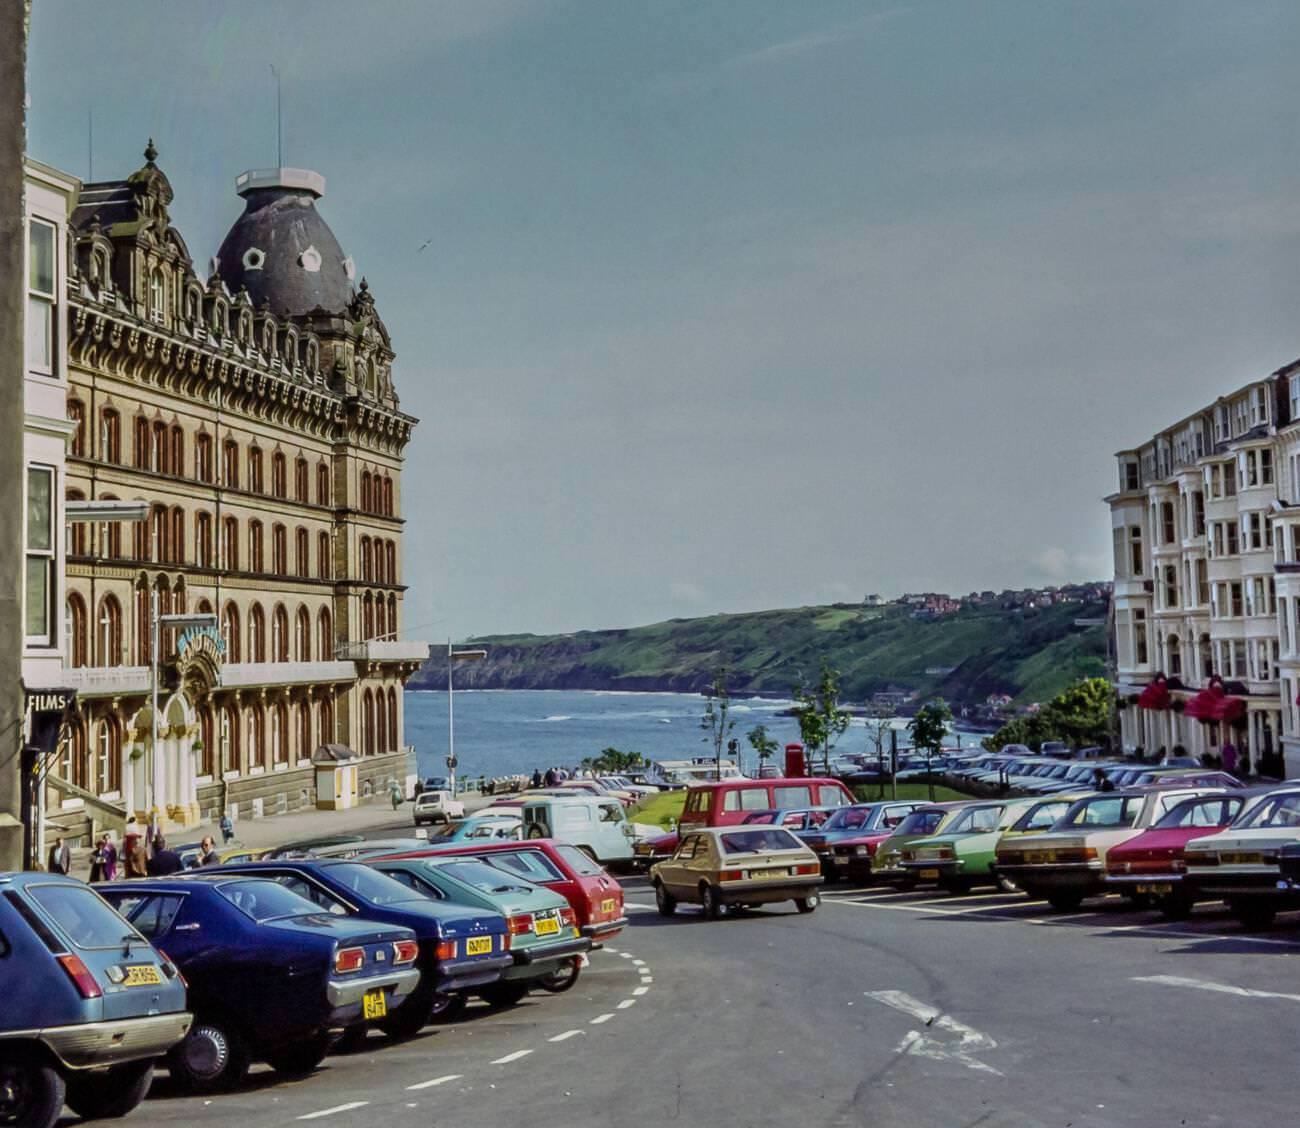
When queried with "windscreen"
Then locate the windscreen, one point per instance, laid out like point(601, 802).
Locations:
point(486, 878)
point(265, 899)
point(375, 887)
point(1104, 811)
point(850, 818)
point(758, 841)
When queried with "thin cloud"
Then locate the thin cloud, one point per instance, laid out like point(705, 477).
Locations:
point(812, 41)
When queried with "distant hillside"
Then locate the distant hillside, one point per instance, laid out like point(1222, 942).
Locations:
point(1030, 654)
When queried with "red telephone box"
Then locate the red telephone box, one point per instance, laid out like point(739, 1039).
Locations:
point(794, 761)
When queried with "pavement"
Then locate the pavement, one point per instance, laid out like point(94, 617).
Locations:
point(912, 1010)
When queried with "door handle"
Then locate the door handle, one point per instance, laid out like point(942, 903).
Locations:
point(186, 928)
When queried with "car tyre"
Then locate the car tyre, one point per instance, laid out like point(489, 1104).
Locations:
point(447, 1006)
point(958, 886)
point(210, 1057)
point(807, 904)
point(666, 902)
point(710, 903)
point(1064, 900)
point(352, 1040)
point(107, 1096)
point(409, 1018)
point(31, 1093)
point(1253, 914)
point(301, 1058)
point(1174, 907)
point(905, 884)
point(562, 979)
point(499, 996)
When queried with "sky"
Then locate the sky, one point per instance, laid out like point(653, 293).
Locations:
point(719, 306)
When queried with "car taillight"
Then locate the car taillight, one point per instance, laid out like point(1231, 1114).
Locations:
point(1118, 867)
point(807, 869)
point(521, 924)
point(349, 959)
point(446, 950)
point(567, 917)
point(405, 951)
point(730, 875)
point(80, 975)
point(1202, 858)
point(945, 854)
point(171, 970)
point(1177, 865)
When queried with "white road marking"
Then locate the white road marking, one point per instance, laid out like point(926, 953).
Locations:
point(435, 1081)
point(609, 949)
point(916, 1042)
point(637, 907)
point(638, 963)
point(331, 1111)
point(566, 1036)
point(511, 1057)
point(647, 978)
point(601, 1018)
point(640, 990)
point(1210, 985)
point(626, 1003)
point(626, 955)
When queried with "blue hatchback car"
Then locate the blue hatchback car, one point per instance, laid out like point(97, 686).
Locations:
point(88, 1004)
point(462, 949)
point(271, 977)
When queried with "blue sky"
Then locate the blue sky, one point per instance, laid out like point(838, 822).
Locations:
point(738, 305)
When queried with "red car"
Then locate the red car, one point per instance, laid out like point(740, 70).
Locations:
point(1153, 864)
point(596, 898)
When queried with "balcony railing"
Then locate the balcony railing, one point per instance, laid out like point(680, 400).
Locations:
point(105, 681)
point(246, 675)
point(375, 651)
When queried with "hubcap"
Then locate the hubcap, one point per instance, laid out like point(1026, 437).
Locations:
point(206, 1052)
point(13, 1095)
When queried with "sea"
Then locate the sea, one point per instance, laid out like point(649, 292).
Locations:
point(509, 732)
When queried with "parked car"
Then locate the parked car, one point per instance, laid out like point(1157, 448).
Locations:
point(348, 850)
point(306, 847)
point(924, 822)
point(1038, 818)
point(737, 865)
point(544, 936)
point(460, 949)
point(796, 820)
point(1153, 863)
point(489, 826)
point(962, 855)
point(1068, 862)
point(846, 841)
point(595, 897)
point(88, 1004)
point(436, 806)
point(1241, 863)
point(596, 825)
point(270, 976)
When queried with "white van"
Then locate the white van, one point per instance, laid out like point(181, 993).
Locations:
point(595, 825)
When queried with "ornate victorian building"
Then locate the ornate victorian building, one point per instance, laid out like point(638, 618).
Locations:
point(255, 413)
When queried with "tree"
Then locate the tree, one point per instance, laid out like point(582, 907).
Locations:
point(928, 728)
point(716, 722)
point(1084, 714)
point(763, 744)
point(878, 726)
point(612, 761)
point(821, 720)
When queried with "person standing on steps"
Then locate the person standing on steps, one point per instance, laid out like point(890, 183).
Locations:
point(60, 859)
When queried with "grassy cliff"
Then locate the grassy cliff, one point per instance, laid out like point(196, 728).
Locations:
point(1031, 654)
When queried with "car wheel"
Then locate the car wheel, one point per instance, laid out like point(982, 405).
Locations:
point(1174, 907)
point(562, 979)
point(502, 995)
point(709, 901)
point(905, 884)
point(1064, 900)
point(409, 1018)
point(666, 901)
point(447, 1006)
point(210, 1057)
point(31, 1094)
point(106, 1096)
point(1253, 914)
point(958, 886)
point(353, 1039)
point(300, 1058)
point(807, 904)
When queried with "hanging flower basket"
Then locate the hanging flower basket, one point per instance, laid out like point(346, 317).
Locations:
point(137, 751)
point(197, 746)
point(1178, 705)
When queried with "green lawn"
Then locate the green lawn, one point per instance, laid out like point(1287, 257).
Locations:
point(658, 809)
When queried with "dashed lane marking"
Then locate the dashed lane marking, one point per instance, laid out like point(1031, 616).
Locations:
point(640, 990)
point(647, 979)
point(566, 1036)
point(511, 1057)
point(601, 1018)
point(435, 1081)
point(336, 1109)
point(626, 1003)
point(636, 907)
point(625, 955)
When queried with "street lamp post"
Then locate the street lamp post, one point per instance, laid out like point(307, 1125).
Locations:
point(179, 622)
point(454, 656)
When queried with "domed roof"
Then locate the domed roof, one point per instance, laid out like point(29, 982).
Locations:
point(281, 250)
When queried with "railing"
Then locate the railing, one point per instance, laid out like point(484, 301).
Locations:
point(105, 681)
point(242, 675)
point(376, 651)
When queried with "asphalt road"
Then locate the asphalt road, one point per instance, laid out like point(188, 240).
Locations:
point(916, 1010)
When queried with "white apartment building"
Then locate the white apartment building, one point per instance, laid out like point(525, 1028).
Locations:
point(1206, 526)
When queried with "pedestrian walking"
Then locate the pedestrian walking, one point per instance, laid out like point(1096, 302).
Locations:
point(227, 829)
point(60, 858)
point(208, 852)
point(133, 851)
point(163, 862)
point(103, 860)
point(1229, 757)
point(395, 794)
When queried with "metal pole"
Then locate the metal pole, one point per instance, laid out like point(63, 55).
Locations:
point(451, 727)
point(893, 762)
point(153, 715)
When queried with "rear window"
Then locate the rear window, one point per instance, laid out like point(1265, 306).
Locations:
point(374, 886)
point(579, 862)
point(81, 915)
point(852, 818)
point(485, 878)
point(699, 802)
point(792, 796)
point(921, 822)
point(265, 899)
point(831, 796)
point(756, 841)
point(1040, 817)
point(1110, 810)
point(976, 820)
point(151, 913)
point(1201, 812)
point(1284, 810)
point(532, 864)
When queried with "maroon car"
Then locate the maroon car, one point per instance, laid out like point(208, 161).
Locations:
point(1152, 864)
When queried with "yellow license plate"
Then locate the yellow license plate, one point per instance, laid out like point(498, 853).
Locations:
point(478, 946)
point(767, 874)
point(374, 1005)
point(1230, 859)
point(1158, 887)
point(609, 906)
point(548, 926)
point(142, 975)
point(929, 875)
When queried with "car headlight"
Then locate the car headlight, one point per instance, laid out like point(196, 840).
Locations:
point(861, 851)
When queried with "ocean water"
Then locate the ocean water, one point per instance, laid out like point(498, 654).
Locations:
point(505, 732)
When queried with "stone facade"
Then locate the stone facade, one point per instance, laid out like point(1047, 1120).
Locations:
point(269, 446)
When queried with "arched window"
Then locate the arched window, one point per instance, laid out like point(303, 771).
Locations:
point(75, 763)
point(110, 535)
point(108, 756)
point(302, 636)
point(1175, 664)
point(143, 625)
point(108, 632)
point(379, 631)
point(207, 736)
point(110, 436)
point(392, 720)
point(300, 480)
point(142, 442)
point(388, 496)
point(255, 482)
point(367, 568)
point(203, 458)
point(368, 724)
point(230, 544)
point(230, 463)
point(230, 739)
point(367, 617)
point(230, 632)
point(256, 633)
point(390, 562)
point(392, 616)
point(203, 539)
point(158, 448)
point(381, 722)
point(325, 635)
point(322, 484)
point(176, 536)
point(157, 294)
point(302, 557)
point(278, 475)
point(280, 550)
point(176, 451)
point(303, 736)
point(365, 491)
point(77, 416)
point(256, 737)
point(323, 555)
point(280, 635)
point(79, 534)
point(327, 720)
point(279, 735)
point(78, 636)
point(256, 556)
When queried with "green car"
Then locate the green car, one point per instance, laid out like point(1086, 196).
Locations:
point(962, 856)
point(886, 864)
point(542, 929)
